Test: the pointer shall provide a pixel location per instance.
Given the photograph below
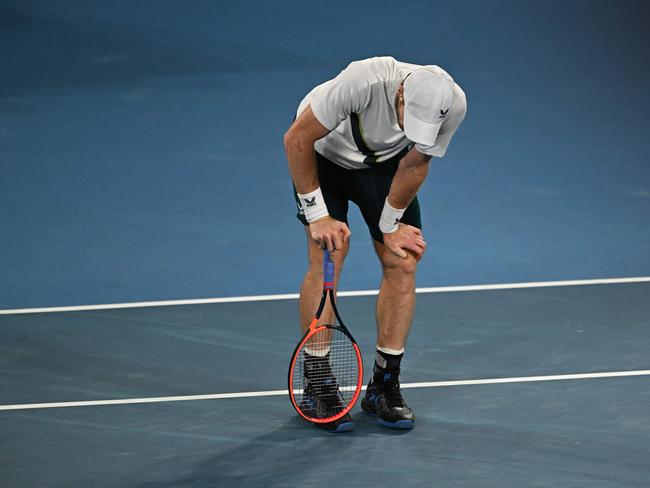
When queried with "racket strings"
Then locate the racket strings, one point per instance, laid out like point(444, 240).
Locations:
point(327, 376)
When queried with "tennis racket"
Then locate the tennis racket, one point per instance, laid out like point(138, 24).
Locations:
point(326, 371)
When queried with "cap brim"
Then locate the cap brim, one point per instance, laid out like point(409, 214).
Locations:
point(420, 131)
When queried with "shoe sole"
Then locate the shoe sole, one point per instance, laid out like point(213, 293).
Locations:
point(342, 427)
point(400, 424)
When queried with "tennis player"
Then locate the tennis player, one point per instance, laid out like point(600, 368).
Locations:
point(367, 137)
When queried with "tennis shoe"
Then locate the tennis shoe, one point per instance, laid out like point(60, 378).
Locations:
point(344, 424)
point(322, 397)
point(384, 401)
point(325, 402)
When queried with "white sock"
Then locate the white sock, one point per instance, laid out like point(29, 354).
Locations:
point(392, 352)
point(321, 353)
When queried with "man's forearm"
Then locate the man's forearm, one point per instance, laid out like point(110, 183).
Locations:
point(410, 175)
point(302, 164)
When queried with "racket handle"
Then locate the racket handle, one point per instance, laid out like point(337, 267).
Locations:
point(328, 271)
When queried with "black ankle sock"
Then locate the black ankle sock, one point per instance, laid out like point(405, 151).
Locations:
point(387, 367)
point(317, 366)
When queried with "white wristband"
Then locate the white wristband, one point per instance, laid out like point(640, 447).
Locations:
point(390, 217)
point(313, 205)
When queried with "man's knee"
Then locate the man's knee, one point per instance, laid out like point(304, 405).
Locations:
point(394, 266)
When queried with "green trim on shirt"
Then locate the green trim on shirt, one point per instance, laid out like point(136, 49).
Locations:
point(357, 134)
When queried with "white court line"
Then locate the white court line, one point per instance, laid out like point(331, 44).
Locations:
point(255, 394)
point(293, 296)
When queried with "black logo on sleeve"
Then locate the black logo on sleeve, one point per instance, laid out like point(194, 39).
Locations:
point(310, 203)
point(443, 113)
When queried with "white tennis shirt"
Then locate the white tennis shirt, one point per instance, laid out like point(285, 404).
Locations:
point(358, 106)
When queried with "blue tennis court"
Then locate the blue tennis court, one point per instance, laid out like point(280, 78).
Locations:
point(151, 257)
point(515, 429)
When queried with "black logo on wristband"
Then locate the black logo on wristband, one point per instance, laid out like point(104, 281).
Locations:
point(310, 203)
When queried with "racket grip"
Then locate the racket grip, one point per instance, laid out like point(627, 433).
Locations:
point(328, 271)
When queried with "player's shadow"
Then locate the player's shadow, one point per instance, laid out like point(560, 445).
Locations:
point(281, 458)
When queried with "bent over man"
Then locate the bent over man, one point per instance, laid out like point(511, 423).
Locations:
point(366, 137)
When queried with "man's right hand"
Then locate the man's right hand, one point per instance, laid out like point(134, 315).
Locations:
point(329, 233)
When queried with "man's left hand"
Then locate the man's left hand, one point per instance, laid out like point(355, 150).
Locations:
point(406, 238)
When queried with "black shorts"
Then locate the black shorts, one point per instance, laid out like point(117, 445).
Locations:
point(367, 188)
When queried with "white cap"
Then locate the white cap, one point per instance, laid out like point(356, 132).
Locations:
point(427, 98)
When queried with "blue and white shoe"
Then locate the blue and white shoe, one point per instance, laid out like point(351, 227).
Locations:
point(384, 401)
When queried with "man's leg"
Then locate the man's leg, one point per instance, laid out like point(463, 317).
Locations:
point(396, 300)
point(310, 295)
point(395, 307)
point(312, 284)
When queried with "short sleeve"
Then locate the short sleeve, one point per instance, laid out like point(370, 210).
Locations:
point(349, 92)
point(450, 125)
